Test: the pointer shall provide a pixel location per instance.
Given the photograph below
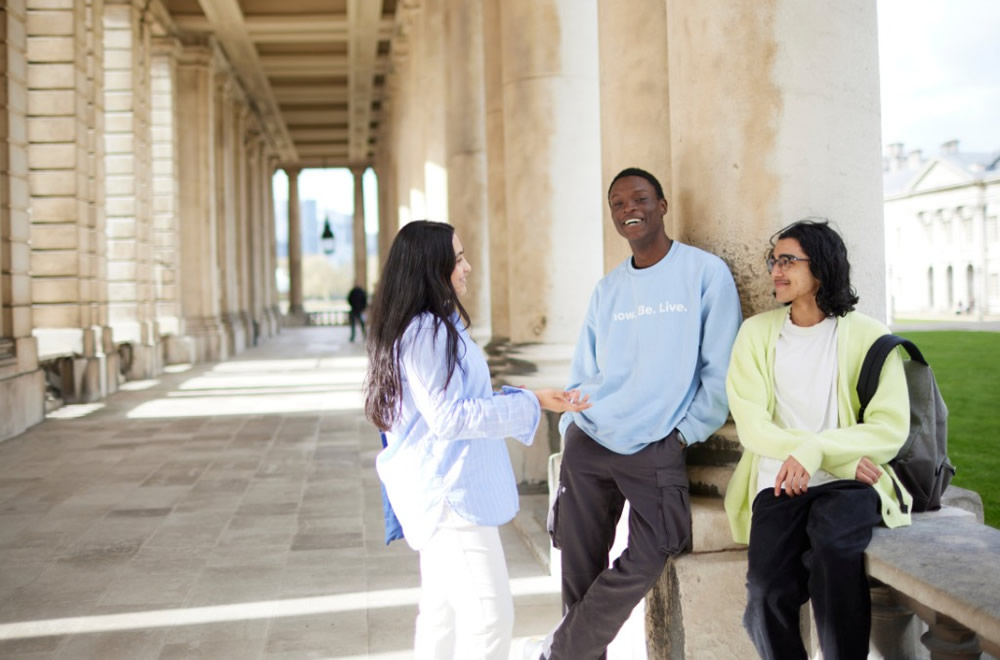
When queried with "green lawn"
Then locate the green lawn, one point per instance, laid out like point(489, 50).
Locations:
point(967, 368)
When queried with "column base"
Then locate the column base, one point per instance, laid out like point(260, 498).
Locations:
point(205, 340)
point(235, 333)
point(22, 398)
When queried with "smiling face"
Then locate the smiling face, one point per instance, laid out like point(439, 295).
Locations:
point(794, 282)
point(462, 267)
point(636, 210)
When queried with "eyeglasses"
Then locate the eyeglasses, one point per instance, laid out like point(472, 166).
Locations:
point(782, 261)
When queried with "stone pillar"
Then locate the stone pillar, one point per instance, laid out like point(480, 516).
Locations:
point(795, 80)
point(496, 193)
point(800, 105)
point(635, 105)
point(241, 171)
point(197, 184)
point(251, 236)
point(129, 204)
point(227, 94)
point(166, 201)
point(274, 312)
point(466, 142)
point(296, 312)
point(553, 174)
point(388, 214)
point(64, 188)
point(22, 383)
point(360, 242)
point(431, 93)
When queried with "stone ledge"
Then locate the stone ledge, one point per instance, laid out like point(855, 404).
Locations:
point(946, 561)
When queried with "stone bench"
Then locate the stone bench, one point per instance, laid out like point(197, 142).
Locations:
point(945, 569)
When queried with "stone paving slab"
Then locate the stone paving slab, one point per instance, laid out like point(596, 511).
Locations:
point(222, 511)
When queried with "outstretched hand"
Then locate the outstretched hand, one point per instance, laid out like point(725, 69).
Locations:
point(562, 401)
point(867, 471)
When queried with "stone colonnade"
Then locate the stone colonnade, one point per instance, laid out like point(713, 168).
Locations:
point(136, 222)
point(752, 115)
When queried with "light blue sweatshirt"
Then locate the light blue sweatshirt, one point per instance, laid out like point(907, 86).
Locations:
point(654, 350)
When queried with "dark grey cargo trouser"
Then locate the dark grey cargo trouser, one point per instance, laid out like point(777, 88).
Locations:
point(594, 483)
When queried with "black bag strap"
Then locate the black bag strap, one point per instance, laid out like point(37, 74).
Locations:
point(871, 368)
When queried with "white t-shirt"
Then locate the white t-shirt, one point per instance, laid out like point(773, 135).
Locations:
point(805, 389)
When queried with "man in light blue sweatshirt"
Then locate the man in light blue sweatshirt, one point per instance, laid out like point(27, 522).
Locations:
point(652, 355)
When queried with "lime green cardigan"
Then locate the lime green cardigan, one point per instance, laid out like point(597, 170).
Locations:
point(750, 387)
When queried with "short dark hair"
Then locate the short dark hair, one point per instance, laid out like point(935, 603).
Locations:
point(827, 262)
point(635, 171)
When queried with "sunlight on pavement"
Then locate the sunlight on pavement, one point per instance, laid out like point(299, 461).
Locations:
point(268, 609)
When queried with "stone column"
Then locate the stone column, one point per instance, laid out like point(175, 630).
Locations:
point(241, 171)
point(466, 142)
point(227, 94)
point(552, 156)
point(796, 113)
point(359, 240)
point(388, 219)
point(64, 187)
point(274, 312)
point(251, 235)
point(166, 201)
point(128, 206)
point(496, 193)
point(296, 312)
point(791, 93)
point(430, 94)
point(197, 184)
point(635, 104)
point(22, 383)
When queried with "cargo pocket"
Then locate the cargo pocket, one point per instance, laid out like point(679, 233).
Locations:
point(552, 520)
point(675, 507)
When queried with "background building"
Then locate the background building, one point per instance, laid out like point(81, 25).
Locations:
point(942, 242)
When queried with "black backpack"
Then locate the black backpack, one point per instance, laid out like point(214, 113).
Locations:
point(922, 462)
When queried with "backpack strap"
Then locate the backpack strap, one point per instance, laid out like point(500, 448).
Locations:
point(871, 368)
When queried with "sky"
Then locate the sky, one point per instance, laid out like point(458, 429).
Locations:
point(332, 189)
point(940, 73)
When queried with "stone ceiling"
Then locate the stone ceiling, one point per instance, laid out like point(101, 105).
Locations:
point(314, 69)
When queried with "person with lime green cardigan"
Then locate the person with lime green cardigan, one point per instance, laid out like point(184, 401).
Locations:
point(812, 482)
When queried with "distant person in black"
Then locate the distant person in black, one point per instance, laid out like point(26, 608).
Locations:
point(358, 300)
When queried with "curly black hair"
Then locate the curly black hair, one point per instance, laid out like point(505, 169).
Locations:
point(827, 262)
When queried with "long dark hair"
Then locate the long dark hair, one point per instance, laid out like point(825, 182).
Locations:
point(827, 262)
point(416, 279)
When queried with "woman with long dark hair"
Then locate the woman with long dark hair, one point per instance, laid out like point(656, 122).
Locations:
point(445, 467)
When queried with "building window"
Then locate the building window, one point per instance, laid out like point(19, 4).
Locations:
point(930, 287)
point(950, 290)
point(967, 230)
point(991, 229)
point(994, 287)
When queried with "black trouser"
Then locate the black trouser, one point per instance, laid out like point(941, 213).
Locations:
point(594, 484)
point(811, 546)
point(356, 316)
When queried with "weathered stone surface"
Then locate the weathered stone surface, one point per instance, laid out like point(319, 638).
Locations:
point(950, 563)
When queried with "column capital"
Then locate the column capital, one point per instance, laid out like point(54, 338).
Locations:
point(292, 172)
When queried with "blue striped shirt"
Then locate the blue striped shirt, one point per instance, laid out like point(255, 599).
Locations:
point(447, 445)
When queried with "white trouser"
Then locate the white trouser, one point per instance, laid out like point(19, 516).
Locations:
point(466, 609)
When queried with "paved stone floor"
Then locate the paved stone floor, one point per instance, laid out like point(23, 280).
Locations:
point(221, 511)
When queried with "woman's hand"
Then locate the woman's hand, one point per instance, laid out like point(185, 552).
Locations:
point(560, 401)
point(793, 477)
point(867, 471)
